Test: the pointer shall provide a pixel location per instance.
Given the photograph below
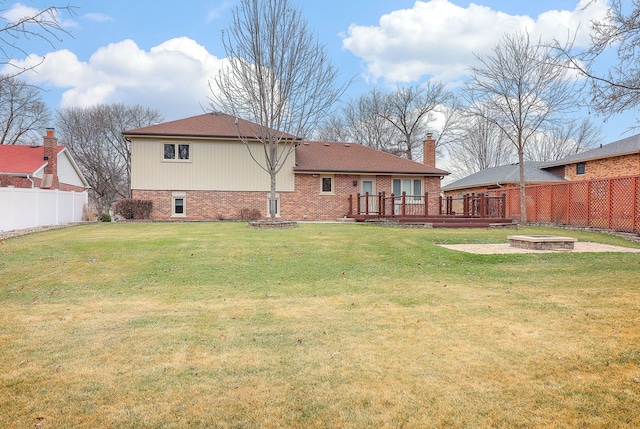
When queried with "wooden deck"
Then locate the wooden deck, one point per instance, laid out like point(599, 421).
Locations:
point(440, 221)
point(471, 211)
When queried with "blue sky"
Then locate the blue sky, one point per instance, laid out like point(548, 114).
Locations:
point(161, 54)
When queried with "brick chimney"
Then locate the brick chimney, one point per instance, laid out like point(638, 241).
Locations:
point(50, 178)
point(429, 151)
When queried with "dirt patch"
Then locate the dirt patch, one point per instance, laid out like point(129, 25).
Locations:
point(502, 248)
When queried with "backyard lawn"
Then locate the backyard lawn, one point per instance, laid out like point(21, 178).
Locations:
point(217, 325)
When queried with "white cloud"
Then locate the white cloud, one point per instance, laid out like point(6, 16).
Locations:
point(216, 12)
point(172, 77)
point(97, 17)
point(19, 11)
point(438, 38)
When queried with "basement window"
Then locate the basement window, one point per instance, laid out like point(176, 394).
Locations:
point(178, 204)
point(581, 167)
point(276, 202)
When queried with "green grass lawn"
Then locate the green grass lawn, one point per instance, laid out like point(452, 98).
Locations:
point(217, 325)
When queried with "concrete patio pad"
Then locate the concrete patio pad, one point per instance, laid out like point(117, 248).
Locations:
point(492, 249)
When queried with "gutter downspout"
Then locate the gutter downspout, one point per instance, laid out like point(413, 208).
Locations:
point(33, 185)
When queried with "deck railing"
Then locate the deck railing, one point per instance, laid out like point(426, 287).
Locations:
point(382, 206)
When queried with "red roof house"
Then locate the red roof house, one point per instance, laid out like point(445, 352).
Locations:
point(47, 167)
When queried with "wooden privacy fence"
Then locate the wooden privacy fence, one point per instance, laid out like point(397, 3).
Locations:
point(603, 203)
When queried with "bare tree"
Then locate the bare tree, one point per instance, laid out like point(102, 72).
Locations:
point(411, 110)
point(618, 88)
point(334, 128)
point(522, 88)
point(94, 136)
point(23, 114)
point(396, 122)
point(479, 144)
point(277, 76)
point(43, 25)
point(563, 140)
point(359, 120)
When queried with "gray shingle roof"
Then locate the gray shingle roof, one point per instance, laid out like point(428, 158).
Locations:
point(625, 146)
point(504, 175)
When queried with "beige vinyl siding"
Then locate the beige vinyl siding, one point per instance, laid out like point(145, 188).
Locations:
point(213, 166)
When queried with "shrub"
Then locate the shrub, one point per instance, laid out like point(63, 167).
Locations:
point(130, 208)
point(104, 217)
point(249, 214)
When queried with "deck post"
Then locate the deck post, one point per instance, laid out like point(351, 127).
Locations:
point(440, 205)
point(483, 203)
point(473, 203)
point(358, 203)
point(393, 205)
point(350, 205)
point(503, 202)
point(381, 203)
point(403, 211)
point(366, 203)
point(465, 204)
point(426, 204)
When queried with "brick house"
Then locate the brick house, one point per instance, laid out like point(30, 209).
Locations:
point(198, 169)
point(46, 167)
point(618, 159)
point(503, 176)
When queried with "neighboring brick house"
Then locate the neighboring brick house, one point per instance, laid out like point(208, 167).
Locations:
point(618, 159)
point(198, 169)
point(46, 167)
point(504, 176)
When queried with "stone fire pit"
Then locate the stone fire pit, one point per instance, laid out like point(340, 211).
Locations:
point(542, 242)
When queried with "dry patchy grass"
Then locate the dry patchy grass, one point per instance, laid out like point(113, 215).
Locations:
point(220, 326)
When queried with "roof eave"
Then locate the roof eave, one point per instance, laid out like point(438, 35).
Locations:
point(405, 173)
point(590, 158)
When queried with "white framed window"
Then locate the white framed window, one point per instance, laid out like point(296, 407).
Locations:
point(412, 187)
point(327, 185)
point(176, 152)
point(178, 204)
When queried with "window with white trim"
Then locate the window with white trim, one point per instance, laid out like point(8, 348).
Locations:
point(178, 204)
point(277, 204)
point(412, 187)
point(177, 152)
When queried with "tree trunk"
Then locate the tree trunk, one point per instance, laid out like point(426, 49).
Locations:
point(523, 196)
point(272, 197)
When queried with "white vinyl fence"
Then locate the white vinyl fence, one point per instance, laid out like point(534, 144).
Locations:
point(29, 208)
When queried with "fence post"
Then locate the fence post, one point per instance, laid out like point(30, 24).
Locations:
point(482, 204)
point(403, 211)
point(609, 205)
point(634, 214)
point(358, 204)
point(350, 204)
point(440, 205)
point(503, 212)
point(383, 204)
point(568, 194)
